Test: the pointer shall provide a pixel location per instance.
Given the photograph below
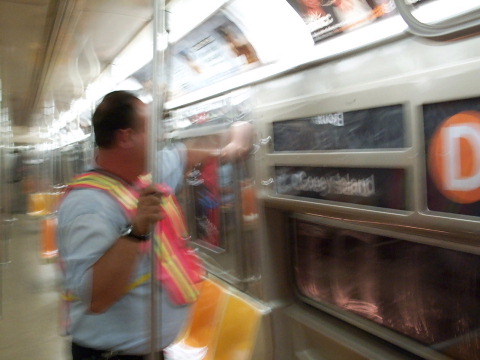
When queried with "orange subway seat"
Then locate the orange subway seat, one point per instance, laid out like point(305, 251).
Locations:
point(206, 314)
point(222, 326)
point(54, 201)
point(49, 248)
point(37, 205)
point(201, 330)
point(238, 331)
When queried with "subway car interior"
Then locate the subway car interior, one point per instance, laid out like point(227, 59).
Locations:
point(351, 227)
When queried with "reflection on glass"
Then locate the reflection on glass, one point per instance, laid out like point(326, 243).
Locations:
point(427, 293)
point(206, 193)
point(217, 189)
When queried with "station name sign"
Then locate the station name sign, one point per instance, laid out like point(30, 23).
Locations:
point(364, 186)
point(375, 128)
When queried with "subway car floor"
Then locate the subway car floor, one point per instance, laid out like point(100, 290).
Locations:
point(29, 326)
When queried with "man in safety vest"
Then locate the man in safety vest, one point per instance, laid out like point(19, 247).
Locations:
point(104, 225)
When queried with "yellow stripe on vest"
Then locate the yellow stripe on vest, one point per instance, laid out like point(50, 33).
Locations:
point(103, 182)
point(174, 268)
point(142, 279)
point(70, 296)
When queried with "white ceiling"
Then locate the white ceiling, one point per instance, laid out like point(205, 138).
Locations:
point(50, 50)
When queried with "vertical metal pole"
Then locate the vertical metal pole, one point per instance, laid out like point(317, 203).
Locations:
point(3, 124)
point(7, 217)
point(156, 131)
point(2, 192)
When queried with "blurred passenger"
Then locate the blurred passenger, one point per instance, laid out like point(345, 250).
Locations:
point(100, 248)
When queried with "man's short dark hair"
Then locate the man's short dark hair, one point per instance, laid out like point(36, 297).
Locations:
point(116, 111)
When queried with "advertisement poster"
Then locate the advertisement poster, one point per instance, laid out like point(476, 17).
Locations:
point(452, 138)
point(216, 50)
point(364, 186)
point(376, 128)
point(325, 18)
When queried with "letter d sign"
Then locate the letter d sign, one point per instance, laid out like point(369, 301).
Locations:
point(454, 157)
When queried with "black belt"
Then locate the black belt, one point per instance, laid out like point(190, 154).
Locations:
point(84, 353)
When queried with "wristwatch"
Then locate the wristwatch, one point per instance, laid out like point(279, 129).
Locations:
point(128, 232)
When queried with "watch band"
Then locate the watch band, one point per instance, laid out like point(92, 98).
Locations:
point(128, 232)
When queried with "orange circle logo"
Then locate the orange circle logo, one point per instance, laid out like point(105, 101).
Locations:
point(454, 157)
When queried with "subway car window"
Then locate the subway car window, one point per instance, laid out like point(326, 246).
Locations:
point(407, 287)
point(220, 193)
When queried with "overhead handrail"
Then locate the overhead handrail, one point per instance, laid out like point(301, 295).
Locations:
point(456, 27)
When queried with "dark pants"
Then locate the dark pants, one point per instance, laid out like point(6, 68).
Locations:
point(83, 353)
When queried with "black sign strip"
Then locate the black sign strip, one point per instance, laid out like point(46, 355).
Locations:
point(364, 186)
point(376, 128)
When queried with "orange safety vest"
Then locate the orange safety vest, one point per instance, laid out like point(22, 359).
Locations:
point(178, 267)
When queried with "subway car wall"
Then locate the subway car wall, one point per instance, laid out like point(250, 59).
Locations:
point(353, 143)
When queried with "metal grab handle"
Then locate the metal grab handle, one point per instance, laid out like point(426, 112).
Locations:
point(267, 182)
point(59, 187)
point(450, 29)
point(266, 140)
point(255, 149)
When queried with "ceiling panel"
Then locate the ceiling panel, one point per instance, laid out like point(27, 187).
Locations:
point(22, 26)
point(50, 50)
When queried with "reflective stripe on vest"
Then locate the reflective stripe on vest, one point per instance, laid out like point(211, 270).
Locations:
point(180, 286)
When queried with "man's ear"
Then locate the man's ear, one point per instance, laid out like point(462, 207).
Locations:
point(123, 138)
